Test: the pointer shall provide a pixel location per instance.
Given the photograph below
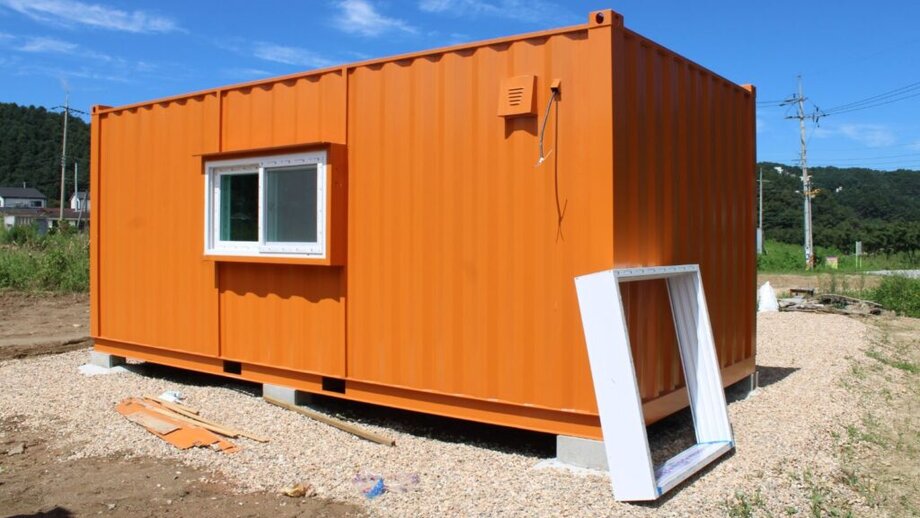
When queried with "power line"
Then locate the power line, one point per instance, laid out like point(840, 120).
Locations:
point(69, 109)
point(883, 95)
point(831, 162)
point(898, 94)
point(854, 159)
point(874, 162)
point(864, 107)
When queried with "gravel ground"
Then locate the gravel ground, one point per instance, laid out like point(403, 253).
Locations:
point(910, 274)
point(783, 433)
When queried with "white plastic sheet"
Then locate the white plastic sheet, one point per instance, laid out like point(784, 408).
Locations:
point(766, 299)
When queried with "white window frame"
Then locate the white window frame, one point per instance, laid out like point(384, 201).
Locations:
point(214, 170)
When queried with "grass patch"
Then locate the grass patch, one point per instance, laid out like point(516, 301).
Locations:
point(899, 294)
point(904, 365)
point(820, 500)
point(790, 258)
point(744, 505)
point(56, 262)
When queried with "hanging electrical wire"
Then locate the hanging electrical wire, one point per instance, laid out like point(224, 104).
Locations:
point(549, 104)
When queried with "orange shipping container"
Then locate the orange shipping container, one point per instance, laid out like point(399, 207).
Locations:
point(383, 231)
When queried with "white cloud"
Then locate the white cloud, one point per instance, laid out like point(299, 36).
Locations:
point(48, 45)
point(8, 60)
point(361, 17)
point(761, 125)
point(869, 135)
point(55, 46)
point(289, 55)
point(532, 11)
point(915, 145)
point(73, 12)
point(246, 73)
point(79, 72)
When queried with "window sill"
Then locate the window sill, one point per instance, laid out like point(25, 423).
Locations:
point(268, 259)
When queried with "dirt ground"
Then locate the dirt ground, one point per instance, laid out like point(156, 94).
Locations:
point(36, 482)
point(824, 282)
point(41, 481)
point(35, 324)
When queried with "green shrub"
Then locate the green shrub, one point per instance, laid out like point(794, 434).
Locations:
point(20, 235)
point(899, 294)
point(55, 262)
point(17, 268)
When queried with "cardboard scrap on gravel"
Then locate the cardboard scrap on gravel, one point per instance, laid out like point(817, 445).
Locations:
point(180, 434)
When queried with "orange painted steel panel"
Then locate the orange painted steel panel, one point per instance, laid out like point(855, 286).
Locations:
point(154, 288)
point(283, 316)
point(295, 111)
point(460, 271)
point(95, 192)
point(683, 160)
point(454, 292)
point(516, 96)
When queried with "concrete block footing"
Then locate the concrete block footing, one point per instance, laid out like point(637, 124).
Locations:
point(285, 394)
point(582, 453)
point(742, 388)
point(105, 360)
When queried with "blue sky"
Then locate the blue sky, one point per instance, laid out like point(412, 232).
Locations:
point(108, 52)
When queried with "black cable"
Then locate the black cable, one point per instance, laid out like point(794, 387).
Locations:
point(880, 96)
point(866, 107)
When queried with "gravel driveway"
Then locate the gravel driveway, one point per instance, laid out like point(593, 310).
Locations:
point(783, 434)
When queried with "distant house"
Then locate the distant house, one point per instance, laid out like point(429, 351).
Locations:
point(12, 197)
point(42, 219)
point(80, 201)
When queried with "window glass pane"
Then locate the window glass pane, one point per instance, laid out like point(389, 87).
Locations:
point(239, 207)
point(290, 199)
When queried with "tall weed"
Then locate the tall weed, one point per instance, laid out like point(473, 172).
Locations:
point(54, 262)
point(899, 294)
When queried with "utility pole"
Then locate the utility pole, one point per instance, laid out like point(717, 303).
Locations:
point(67, 110)
point(807, 193)
point(760, 215)
point(64, 157)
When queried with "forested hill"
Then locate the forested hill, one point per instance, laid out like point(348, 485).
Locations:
point(30, 149)
point(880, 208)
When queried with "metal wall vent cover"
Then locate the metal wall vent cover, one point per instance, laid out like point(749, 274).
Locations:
point(516, 96)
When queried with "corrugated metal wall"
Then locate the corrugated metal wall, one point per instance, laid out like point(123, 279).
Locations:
point(287, 316)
point(683, 189)
point(459, 268)
point(293, 111)
point(155, 288)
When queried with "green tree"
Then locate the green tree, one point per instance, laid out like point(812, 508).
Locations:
point(30, 149)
